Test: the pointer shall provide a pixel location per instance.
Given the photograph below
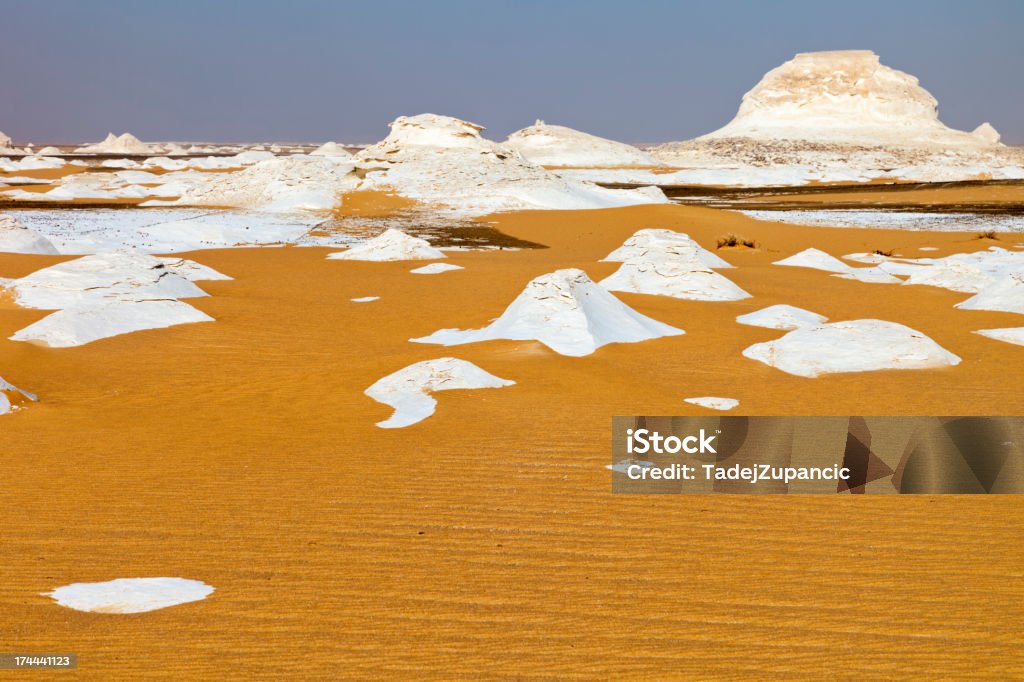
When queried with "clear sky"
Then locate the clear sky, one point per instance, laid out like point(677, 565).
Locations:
point(313, 70)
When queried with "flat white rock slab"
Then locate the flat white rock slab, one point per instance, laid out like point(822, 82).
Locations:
point(782, 316)
point(130, 595)
point(102, 278)
point(1009, 335)
point(713, 403)
point(853, 346)
point(391, 245)
point(408, 390)
point(435, 269)
point(365, 299)
point(567, 312)
point(79, 325)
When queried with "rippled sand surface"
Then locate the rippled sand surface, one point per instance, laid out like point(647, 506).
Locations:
point(484, 541)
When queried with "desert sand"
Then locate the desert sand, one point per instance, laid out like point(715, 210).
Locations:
point(484, 541)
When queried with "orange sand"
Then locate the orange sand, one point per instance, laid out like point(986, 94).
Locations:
point(484, 541)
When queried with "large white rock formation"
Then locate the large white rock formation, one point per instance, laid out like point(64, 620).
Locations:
point(567, 312)
point(845, 115)
point(551, 145)
point(408, 390)
point(444, 162)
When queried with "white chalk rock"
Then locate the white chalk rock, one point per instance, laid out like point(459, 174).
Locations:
point(876, 275)
point(117, 144)
point(408, 390)
point(84, 324)
point(1005, 295)
point(667, 242)
point(333, 150)
point(845, 96)
point(659, 274)
point(130, 595)
point(444, 162)
point(816, 259)
point(986, 134)
point(8, 391)
point(713, 403)
point(277, 184)
point(435, 269)
point(1013, 335)
point(390, 245)
point(551, 145)
point(853, 346)
point(191, 270)
point(16, 238)
point(102, 278)
point(968, 273)
point(567, 312)
point(782, 316)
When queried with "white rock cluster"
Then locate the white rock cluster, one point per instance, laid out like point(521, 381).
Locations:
point(125, 143)
point(667, 263)
point(108, 294)
point(278, 184)
point(444, 162)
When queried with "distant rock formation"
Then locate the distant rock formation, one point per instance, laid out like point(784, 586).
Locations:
point(846, 112)
point(117, 144)
point(551, 145)
point(331, 149)
point(444, 162)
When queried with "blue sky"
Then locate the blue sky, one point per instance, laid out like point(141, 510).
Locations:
point(312, 70)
